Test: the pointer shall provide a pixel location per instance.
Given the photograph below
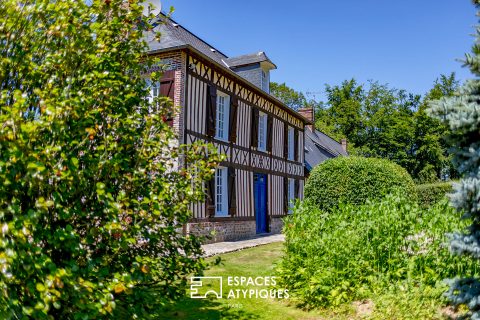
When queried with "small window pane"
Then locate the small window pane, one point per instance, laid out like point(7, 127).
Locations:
point(221, 192)
point(291, 194)
point(222, 120)
point(291, 143)
point(262, 132)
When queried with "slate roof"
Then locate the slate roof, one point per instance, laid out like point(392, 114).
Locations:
point(320, 147)
point(175, 35)
point(248, 59)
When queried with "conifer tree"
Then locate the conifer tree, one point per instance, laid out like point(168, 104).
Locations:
point(462, 113)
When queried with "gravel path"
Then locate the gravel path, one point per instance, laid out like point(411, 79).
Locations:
point(230, 246)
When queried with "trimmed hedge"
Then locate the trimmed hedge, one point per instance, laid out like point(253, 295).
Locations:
point(432, 193)
point(355, 180)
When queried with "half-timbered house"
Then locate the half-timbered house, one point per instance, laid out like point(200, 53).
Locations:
point(226, 101)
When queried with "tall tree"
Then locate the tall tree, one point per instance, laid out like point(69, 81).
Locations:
point(92, 197)
point(433, 160)
point(341, 115)
point(462, 114)
point(375, 119)
point(293, 99)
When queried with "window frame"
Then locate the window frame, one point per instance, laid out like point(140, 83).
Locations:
point(222, 174)
point(225, 118)
point(151, 86)
point(291, 194)
point(262, 129)
point(291, 143)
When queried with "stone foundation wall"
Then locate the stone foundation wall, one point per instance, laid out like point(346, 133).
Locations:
point(276, 225)
point(220, 231)
point(223, 231)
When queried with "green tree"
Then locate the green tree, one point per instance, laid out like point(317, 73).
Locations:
point(379, 121)
point(287, 95)
point(340, 116)
point(375, 119)
point(433, 160)
point(93, 196)
point(462, 113)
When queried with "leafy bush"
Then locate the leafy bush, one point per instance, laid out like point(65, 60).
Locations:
point(341, 256)
point(354, 180)
point(92, 197)
point(409, 301)
point(431, 193)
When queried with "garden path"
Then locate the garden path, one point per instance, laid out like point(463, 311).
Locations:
point(230, 246)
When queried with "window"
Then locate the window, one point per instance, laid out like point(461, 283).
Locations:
point(153, 88)
point(291, 194)
point(265, 81)
point(291, 143)
point(262, 131)
point(223, 114)
point(221, 192)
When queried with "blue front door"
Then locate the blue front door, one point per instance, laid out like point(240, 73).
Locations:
point(260, 195)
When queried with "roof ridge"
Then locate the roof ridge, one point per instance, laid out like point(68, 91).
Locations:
point(193, 34)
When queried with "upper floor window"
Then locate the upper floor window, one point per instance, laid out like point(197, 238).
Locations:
point(153, 88)
point(291, 143)
point(223, 114)
point(265, 85)
point(163, 88)
point(221, 191)
point(262, 131)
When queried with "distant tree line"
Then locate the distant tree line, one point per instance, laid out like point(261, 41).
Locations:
point(384, 122)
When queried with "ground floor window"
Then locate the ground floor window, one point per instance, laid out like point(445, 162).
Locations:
point(291, 194)
point(221, 192)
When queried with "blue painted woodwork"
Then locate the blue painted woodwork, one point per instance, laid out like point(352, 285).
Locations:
point(260, 195)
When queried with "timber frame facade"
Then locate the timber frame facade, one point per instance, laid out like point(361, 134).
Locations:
point(194, 83)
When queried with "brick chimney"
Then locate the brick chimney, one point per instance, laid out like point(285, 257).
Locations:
point(309, 114)
point(344, 144)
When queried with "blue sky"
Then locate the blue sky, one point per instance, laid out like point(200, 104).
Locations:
point(406, 43)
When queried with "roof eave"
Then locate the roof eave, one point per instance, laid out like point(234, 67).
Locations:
point(233, 74)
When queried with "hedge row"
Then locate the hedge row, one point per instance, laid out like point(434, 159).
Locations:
point(431, 193)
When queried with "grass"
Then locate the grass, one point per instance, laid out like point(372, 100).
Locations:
point(254, 262)
point(260, 261)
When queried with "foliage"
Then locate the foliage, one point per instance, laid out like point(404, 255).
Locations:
point(93, 195)
point(340, 116)
point(355, 180)
point(383, 122)
point(407, 301)
point(345, 255)
point(431, 150)
point(462, 114)
point(287, 95)
point(431, 193)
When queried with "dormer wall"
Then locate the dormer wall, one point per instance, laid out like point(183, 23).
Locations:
point(252, 73)
point(257, 73)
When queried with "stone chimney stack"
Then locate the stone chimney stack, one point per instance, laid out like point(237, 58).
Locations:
point(344, 144)
point(309, 114)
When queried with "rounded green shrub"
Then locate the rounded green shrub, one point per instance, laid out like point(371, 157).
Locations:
point(355, 180)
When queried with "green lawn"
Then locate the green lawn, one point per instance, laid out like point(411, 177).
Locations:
point(254, 262)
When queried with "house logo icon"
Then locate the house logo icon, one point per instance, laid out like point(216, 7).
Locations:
point(201, 287)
